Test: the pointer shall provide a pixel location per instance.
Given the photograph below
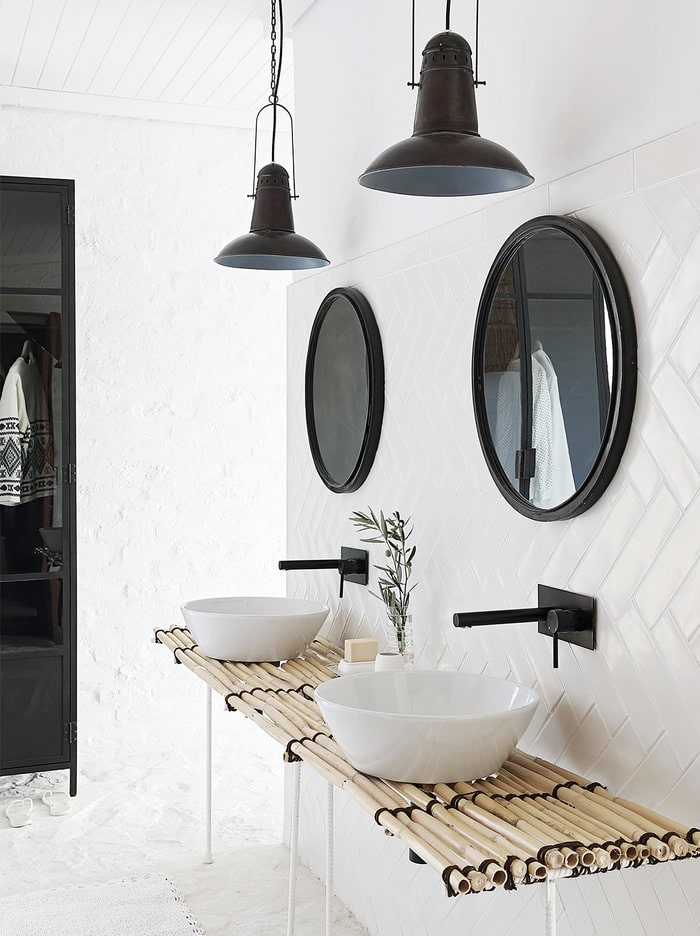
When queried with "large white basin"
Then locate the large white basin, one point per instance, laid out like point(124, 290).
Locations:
point(426, 727)
point(252, 630)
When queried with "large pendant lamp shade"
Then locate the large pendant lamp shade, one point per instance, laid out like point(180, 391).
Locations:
point(445, 156)
point(272, 243)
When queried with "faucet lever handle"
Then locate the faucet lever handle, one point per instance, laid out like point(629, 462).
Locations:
point(562, 621)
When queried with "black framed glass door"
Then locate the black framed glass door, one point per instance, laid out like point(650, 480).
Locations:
point(37, 475)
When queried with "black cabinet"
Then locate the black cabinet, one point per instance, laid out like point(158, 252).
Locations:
point(38, 716)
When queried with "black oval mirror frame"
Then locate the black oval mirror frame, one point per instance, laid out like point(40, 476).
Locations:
point(623, 384)
point(368, 426)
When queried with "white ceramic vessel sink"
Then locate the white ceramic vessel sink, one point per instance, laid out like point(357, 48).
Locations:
point(253, 630)
point(426, 727)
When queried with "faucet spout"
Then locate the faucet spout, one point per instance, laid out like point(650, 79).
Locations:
point(506, 616)
point(353, 565)
point(296, 565)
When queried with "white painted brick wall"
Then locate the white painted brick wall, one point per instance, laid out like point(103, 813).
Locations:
point(180, 402)
point(628, 714)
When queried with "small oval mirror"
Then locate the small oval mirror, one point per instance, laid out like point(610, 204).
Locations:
point(344, 390)
point(554, 368)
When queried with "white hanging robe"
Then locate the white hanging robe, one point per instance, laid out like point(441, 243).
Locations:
point(26, 438)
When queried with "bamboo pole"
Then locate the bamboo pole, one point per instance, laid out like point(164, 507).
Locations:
point(649, 815)
point(627, 823)
point(478, 855)
point(549, 822)
point(493, 844)
point(571, 821)
point(333, 648)
point(320, 668)
point(301, 668)
point(506, 828)
point(531, 837)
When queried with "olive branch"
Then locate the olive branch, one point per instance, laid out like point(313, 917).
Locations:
point(393, 533)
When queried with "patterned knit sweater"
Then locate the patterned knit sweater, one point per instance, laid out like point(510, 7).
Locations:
point(26, 438)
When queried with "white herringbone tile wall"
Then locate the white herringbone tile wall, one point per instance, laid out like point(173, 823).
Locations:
point(627, 715)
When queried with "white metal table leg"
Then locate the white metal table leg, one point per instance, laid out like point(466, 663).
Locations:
point(294, 848)
point(208, 858)
point(329, 858)
point(550, 909)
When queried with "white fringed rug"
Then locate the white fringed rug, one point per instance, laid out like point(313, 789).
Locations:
point(148, 906)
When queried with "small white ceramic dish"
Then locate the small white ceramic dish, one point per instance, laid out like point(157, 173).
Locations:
point(348, 669)
point(254, 630)
point(426, 727)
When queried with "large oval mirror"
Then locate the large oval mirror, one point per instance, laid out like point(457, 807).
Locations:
point(344, 390)
point(554, 368)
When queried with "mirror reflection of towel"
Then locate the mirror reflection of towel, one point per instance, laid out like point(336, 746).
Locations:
point(26, 438)
point(554, 479)
point(553, 482)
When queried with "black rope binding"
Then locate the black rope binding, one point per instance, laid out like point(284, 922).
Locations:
point(231, 695)
point(378, 813)
point(468, 797)
point(563, 786)
point(510, 884)
point(408, 810)
point(520, 796)
point(451, 892)
point(396, 811)
point(291, 756)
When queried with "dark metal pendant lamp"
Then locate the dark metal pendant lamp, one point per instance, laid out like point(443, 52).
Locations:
point(272, 243)
point(446, 155)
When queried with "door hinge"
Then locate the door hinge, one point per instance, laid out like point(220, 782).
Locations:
point(70, 215)
point(71, 732)
point(69, 474)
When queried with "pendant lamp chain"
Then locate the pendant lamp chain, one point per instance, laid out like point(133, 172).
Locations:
point(275, 66)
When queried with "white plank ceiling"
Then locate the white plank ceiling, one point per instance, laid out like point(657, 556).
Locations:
point(196, 60)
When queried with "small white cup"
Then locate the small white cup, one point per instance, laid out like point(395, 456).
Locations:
point(388, 661)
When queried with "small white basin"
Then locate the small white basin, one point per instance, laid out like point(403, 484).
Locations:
point(426, 727)
point(253, 630)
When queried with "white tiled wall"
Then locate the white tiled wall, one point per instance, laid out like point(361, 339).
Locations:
point(629, 714)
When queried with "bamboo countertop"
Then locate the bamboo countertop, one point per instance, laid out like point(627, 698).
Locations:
point(530, 821)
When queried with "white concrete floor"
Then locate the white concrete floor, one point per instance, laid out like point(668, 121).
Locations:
point(145, 813)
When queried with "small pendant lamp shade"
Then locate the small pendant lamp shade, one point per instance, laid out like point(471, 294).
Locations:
point(445, 156)
point(272, 243)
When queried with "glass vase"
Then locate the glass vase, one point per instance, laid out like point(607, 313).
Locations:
point(399, 634)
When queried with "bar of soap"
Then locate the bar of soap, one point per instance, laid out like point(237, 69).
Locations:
point(361, 649)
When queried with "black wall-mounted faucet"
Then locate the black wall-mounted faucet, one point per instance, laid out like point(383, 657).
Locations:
point(561, 615)
point(353, 565)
